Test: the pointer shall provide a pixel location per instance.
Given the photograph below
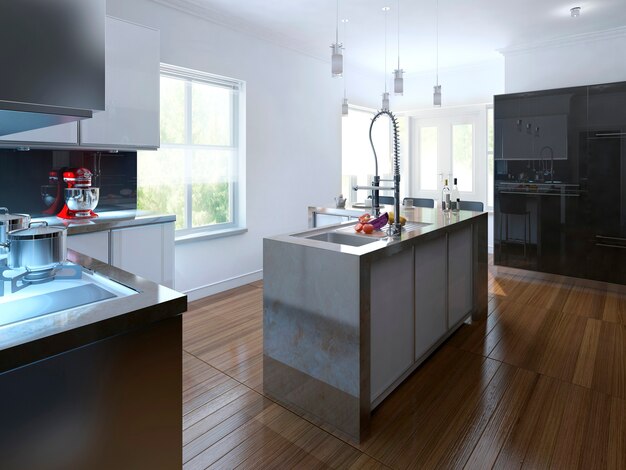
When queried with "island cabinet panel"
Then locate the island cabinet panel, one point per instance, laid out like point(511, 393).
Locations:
point(460, 301)
point(391, 306)
point(430, 294)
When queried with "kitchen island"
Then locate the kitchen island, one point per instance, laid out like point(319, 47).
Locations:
point(97, 385)
point(347, 317)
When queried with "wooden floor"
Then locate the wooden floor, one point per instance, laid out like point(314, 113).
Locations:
point(540, 383)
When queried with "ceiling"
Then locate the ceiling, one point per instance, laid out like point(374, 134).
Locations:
point(469, 32)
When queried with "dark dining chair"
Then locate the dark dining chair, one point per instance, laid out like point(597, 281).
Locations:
point(475, 206)
point(420, 202)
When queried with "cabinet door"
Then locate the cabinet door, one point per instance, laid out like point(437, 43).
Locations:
point(131, 118)
point(391, 316)
point(147, 251)
point(94, 245)
point(64, 134)
point(459, 275)
point(430, 294)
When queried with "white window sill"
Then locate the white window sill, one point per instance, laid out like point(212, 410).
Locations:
point(200, 236)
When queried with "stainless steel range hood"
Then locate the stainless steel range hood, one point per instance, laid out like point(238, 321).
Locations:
point(52, 58)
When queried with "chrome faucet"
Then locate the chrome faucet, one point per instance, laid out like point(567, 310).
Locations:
point(375, 187)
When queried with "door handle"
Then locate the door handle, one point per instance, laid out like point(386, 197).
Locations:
point(607, 245)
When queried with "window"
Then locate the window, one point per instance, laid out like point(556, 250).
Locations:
point(463, 155)
point(428, 157)
point(195, 173)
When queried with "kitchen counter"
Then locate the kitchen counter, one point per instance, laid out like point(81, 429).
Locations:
point(96, 386)
point(40, 337)
point(109, 220)
point(347, 317)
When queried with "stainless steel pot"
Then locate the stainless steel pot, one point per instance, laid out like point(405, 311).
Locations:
point(9, 222)
point(37, 248)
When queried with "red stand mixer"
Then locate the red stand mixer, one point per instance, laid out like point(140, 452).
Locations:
point(80, 198)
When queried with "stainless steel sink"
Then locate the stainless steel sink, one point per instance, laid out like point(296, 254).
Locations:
point(342, 239)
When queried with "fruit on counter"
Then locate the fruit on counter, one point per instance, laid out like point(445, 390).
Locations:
point(364, 218)
point(368, 228)
point(391, 219)
point(380, 221)
point(358, 227)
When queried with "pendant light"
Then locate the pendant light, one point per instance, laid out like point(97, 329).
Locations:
point(344, 104)
point(398, 80)
point(437, 87)
point(337, 48)
point(385, 104)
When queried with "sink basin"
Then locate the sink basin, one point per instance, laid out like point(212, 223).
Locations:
point(342, 239)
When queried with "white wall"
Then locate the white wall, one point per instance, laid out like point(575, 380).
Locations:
point(293, 137)
point(582, 60)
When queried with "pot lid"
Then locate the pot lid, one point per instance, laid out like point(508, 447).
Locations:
point(7, 219)
point(37, 230)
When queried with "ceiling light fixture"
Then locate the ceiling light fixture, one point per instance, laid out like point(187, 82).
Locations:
point(337, 47)
point(437, 87)
point(385, 104)
point(574, 12)
point(398, 80)
point(344, 104)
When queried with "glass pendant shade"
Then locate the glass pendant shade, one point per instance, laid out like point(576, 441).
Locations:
point(398, 82)
point(344, 107)
point(437, 95)
point(337, 60)
point(385, 102)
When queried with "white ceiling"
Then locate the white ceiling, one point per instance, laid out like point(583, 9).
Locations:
point(469, 31)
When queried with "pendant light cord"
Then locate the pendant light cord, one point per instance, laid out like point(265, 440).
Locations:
point(437, 40)
point(386, 9)
point(345, 34)
point(398, 34)
point(337, 28)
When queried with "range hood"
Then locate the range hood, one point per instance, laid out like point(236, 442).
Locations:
point(52, 57)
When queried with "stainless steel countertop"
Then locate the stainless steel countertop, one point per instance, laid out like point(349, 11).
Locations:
point(109, 220)
point(437, 220)
point(40, 337)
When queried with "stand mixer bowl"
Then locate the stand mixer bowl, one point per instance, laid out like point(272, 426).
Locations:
point(82, 200)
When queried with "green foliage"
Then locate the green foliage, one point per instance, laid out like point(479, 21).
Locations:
point(210, 203)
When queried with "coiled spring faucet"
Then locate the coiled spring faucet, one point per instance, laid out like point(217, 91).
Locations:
point(375, 187)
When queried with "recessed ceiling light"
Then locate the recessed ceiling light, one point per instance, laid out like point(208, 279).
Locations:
point(345, 20)
point(385, 8)
point(574, 12)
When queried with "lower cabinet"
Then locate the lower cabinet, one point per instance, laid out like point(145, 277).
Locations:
point(430, 294)
point(459, 275)
point(146, 250)
point(391, 320)
point(417, 297)
point(95, 245)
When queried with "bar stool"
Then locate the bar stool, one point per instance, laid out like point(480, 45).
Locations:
point(511, 205)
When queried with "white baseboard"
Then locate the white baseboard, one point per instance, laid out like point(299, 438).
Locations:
point(215, 288)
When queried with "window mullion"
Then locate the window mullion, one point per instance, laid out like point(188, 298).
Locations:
point(188, 158)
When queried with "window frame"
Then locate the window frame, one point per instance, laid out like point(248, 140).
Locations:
point(236, 166)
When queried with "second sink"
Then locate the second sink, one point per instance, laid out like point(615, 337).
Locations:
point(342, 239)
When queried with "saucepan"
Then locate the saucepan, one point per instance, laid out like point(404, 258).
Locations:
point(9, 222)
point(36, 248)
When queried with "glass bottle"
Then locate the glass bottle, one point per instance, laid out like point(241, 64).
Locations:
point(445, 197)
point(456, 200)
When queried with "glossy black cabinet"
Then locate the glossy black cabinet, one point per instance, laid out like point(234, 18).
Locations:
point(570, 212)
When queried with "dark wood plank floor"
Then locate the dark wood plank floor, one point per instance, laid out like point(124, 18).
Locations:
point(540, 383)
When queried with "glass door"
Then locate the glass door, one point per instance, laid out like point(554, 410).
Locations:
point(445, 148)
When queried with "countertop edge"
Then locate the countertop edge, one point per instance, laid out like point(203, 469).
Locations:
point(109, 221)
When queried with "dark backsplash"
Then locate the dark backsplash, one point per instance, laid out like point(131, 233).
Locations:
point(25, 185)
